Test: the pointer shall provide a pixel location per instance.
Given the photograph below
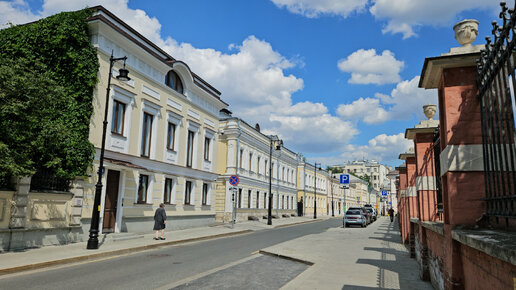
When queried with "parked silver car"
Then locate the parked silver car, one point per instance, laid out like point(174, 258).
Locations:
point(355, 216)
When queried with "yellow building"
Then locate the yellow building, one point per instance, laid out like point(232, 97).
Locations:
point(312, 188)
point(160, 145)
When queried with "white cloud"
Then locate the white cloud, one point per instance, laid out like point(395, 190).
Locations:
point(316, 8)
point(404, 101)
point(368, 109)
point(384, 148)
point(403, 16)
point(15, 12)
point(251, 77)
point(367, 67)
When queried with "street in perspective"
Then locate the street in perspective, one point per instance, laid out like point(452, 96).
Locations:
point(273, 144)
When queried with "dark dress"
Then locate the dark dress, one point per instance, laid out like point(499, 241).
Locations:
point(159, 219)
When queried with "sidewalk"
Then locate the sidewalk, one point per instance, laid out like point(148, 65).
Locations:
point(352, 258)
point(12, 262)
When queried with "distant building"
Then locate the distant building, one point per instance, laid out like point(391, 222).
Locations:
point(376, 171)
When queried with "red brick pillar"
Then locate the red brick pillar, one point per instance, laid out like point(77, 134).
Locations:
point(454, 75)
point(403, 214)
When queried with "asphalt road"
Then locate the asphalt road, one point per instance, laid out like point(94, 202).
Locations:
point(180, 266)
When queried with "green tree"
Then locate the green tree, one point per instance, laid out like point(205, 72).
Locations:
point(47, 79)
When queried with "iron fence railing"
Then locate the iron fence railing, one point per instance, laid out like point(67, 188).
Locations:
point(496, 82)
point(48, 181)
point(437, 170)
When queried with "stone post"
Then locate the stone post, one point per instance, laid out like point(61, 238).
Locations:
point(423, 137)
point(454, 75)
point(19, 203)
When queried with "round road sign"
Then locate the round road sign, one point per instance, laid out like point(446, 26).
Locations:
point(233, 180)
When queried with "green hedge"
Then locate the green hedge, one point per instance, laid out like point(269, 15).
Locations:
point(48, 73)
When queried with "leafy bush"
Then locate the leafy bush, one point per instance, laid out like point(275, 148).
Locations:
point(48, 73)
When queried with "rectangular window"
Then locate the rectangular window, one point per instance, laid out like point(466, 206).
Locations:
point(258, 165)
point(117, 122)
point(143, 185)
point(266, 168)
point(241, 157)
point(146, 134)
point(249, 199)
point(257, 199)
point(167, 194)
point(207, 148)
point(189, 149)
point(171, 133)
point(239, 198)
point(250, 161)
point(188, 192)
point(204, 194)
point(265, 200)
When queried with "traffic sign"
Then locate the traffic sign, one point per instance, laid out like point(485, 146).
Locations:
point(233, 180)
point(384, 192)
point(344, 178)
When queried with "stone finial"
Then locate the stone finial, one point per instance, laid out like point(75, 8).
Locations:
point(466, 31)
point(430, 110)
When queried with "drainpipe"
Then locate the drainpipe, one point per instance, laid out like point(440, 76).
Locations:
point(237, 164)
point(277, 184)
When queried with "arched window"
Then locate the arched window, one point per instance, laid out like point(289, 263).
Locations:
point(172, 80)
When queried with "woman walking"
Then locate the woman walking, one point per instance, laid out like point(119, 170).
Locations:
point(160, 219)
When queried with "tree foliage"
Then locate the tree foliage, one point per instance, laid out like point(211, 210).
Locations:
point(48, 73)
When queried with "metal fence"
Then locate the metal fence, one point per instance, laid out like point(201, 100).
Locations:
point(48, 181)
point(437, 170)
point(496, 82)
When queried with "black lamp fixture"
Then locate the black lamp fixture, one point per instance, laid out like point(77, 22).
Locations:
point(315, 187)
point(93, 241)
point(277, 143)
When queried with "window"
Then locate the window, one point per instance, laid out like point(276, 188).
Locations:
point(250, 161)
point(266, 167)
point(167, 194)
point(188, 192)
point(283, 174)
point(241, 157)
point(257, 199)
point(249, 199)
point(189, 149)
point(172, 80)
point(204, 194)
point(258, 165)
point(146, 134)
point(143, 185)
point(265, 200)
point(171, 132)
point(117, 123)
point(207, 148)
point(282, 201)
point(239, 198)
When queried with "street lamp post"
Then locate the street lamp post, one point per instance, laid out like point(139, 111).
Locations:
point(315, 188)
point(279, 143)
point(93, 241)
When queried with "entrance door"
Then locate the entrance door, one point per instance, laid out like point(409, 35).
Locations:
point(110, 205)
point(300, 207)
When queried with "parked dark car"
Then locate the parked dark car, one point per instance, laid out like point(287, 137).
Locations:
point(370, 213)
point(354, 217)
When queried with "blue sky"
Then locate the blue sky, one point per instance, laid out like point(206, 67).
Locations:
point(336, 79)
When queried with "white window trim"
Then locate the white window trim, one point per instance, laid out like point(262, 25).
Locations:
point(155, 111)
point(152, 180)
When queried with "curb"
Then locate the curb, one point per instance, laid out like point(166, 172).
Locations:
point(295, 224)
point(285, 257)
point(40, 265)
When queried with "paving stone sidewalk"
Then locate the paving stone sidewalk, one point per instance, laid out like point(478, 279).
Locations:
point(353, 258)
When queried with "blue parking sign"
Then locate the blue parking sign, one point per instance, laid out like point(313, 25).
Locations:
point(344, 178)
point(384, 192)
